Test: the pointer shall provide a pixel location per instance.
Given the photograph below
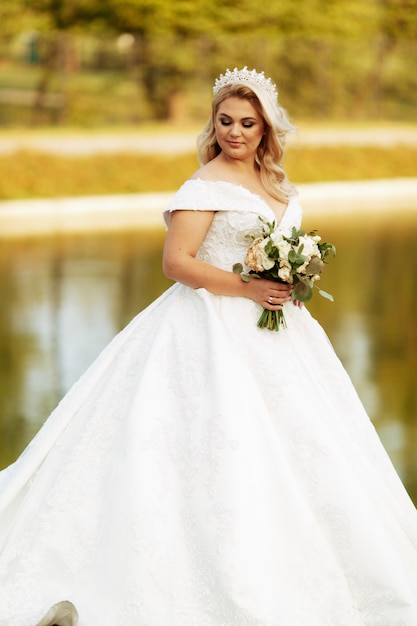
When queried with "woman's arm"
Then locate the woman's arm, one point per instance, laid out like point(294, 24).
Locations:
point(186, 232)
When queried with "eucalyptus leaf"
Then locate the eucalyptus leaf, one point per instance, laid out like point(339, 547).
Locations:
point(315, 266)
point(302, 292)
point(300, 259)
point(326, 295)
point(237, 268)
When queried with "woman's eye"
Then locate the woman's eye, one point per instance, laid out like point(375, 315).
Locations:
point(244, 124)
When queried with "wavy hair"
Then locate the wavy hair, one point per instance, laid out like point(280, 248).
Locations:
point(270, 151)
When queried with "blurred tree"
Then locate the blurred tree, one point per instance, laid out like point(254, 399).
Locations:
point(325, 55)
point(56, 19)
point(166, 35)
point(397, 21)
point(169, 34)
point(14, 18)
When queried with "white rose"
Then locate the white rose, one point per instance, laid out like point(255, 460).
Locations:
point(284, 249)
point(310, 246)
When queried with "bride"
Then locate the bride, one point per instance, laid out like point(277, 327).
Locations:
point(204, 471)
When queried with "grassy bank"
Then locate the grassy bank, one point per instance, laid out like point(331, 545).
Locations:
point(37, 175)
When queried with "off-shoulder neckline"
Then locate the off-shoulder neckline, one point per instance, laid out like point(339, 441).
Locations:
point(248, 192)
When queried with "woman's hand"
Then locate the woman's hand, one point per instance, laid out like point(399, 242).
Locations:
point(271, 295)
point(298, 303)
point(186, 232)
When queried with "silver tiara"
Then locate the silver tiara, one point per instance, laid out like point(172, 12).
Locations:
point(245, 76)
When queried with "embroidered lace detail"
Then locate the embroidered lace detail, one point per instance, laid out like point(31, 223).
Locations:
point(205, 472)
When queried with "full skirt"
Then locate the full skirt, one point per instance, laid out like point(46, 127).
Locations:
point(205, 472)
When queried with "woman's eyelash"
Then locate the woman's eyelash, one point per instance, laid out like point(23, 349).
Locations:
point(245, 125)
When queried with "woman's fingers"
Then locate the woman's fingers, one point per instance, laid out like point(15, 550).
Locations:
point(281, 290)
point(275, 300)
point(270, 294)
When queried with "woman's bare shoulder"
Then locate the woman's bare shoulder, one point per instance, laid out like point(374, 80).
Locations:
point(211, 171)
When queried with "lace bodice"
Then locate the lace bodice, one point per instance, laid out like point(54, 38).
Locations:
point(237, 210)
point(207, 472)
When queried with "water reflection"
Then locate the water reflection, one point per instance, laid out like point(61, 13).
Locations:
point(65, 298)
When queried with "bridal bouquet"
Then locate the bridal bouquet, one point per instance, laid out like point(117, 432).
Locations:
point(297, 260)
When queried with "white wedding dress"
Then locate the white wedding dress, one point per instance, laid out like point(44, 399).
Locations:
point(205, 472)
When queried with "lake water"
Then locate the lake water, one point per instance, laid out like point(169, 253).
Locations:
point(64, 298)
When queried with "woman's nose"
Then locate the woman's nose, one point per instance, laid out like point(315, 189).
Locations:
point(234, 130)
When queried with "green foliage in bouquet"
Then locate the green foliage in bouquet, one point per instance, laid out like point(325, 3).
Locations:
point(297, 260)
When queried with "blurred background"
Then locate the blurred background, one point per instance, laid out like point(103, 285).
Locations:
point(95, 62)
point(103, 97)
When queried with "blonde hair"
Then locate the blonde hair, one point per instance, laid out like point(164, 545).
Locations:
point(271, 148)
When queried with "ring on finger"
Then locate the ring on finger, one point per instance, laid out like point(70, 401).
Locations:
point(270, 300)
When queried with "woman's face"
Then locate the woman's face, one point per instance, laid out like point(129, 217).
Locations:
point(239, 128)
